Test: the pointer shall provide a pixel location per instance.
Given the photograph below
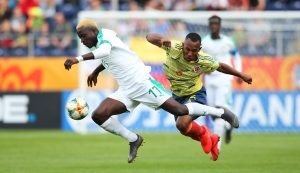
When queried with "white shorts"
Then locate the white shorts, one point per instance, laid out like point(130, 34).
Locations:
point(155, 96)
point(219, 95)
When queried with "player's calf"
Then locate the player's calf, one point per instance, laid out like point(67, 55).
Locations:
point(108, 108)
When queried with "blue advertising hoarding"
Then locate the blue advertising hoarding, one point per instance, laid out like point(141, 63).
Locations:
point(258, 112)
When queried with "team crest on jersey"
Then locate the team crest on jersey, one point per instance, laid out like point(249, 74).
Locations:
point(197, 69)
point(179, 73)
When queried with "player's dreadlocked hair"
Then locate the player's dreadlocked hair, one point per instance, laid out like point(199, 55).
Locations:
point(86, 24)
point(194, 37)
point(213, 18)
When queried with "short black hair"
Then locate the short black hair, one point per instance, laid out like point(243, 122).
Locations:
point(193, 36)
point(213, 17)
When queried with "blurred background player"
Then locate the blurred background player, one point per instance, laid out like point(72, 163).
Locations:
point(183, 67)
point(219, 85)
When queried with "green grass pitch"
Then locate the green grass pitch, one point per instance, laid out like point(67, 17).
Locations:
point(59, 152)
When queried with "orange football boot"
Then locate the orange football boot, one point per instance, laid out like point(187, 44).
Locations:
point(205, 139)
point(214, 150)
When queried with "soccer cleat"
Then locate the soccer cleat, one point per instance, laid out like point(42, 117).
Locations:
point(228, 135)
point(231, 118)
point(134, 146)
point(214, 150)
point(205, 140)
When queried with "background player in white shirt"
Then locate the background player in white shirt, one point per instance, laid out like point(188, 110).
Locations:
point(135, 85)
point(219, 85)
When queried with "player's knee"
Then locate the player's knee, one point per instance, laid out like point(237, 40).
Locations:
point(181, 126)
point(181, 111)
point(100, 116)
point(96, 117)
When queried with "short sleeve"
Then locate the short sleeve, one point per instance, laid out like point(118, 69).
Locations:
point(175, 50)
point(208, 63)
point(102, 51)
point(213, 65)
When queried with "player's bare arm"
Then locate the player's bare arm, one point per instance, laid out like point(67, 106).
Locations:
point(71, 61)
point(224, 68)
point(92, 78)
point(158, 40)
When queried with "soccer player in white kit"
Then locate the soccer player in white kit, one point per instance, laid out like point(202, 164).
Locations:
point(219, 85)
point(135, 85)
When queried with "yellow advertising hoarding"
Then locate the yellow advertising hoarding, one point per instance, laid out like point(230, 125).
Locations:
point(48, 74)
point(36, 74)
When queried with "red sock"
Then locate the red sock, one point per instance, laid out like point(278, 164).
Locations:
point(194, 131)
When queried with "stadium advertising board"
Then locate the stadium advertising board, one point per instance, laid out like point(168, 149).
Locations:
point(259, 112)
point(48, 74)
point(30, 110)
point(33, 74)
point(269, 73)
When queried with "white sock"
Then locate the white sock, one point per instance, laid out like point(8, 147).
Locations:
point(114, 126)
point(203, 110)
point(219, 125)
point(227, 125)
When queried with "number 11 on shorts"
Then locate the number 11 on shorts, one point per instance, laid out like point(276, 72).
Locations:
point(155, 91)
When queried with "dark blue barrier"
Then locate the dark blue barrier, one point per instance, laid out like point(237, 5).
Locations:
point(30, 110)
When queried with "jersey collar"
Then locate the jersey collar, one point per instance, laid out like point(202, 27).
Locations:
point(221, 37)
point(99, 38)
point(196, 60)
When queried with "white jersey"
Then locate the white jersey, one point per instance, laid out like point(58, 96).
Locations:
point(221, 49)
point(124, 65)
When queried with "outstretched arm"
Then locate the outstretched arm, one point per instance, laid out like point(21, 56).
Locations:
point(158, 40)
point(102, 51)
point(92, 78)
point(224, 68)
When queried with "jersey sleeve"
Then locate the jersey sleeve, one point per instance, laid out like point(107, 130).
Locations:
point(104, 45)
point(208, 63)
point(174, 50)
point(102, 51)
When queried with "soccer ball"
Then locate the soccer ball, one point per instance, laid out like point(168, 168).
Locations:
point(77, 108)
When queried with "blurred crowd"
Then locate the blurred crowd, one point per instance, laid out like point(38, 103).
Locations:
point(46, 27)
